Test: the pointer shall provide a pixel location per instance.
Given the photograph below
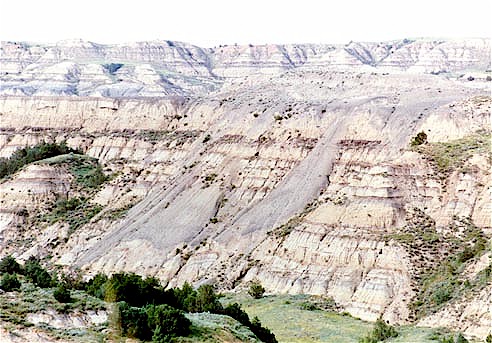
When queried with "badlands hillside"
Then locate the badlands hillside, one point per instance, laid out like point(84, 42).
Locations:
point(294, 165)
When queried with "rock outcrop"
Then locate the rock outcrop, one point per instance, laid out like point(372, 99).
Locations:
point(296, 171)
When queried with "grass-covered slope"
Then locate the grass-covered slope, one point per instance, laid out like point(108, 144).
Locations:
point(292, 320)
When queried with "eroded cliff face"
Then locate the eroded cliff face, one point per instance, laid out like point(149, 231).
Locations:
point(163, 68)
point(303, 180)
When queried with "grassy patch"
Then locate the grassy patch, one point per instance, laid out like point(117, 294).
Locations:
point(153, 135)
point(290, 322)
point(118, 213)
point(449, 156)
point(445, 282)
point(286, 317)
point(87, 171)
point(74, 211)
point(209, 327)
point(284, 230)
point(439, 260)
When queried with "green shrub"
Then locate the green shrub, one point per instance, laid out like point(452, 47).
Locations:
point(150, 312)
point(256, 290)
point(166, 322)
point(235, 311)
point(185, 297)
point(380, 332)
point(489, 338)
point(8, 264)
point(74, 211)
point(263, 334)
point(134, 322)
point(458, 338)
point(308, 306)
point(9, 282)
point(37, 274)
point(96, 286)
point(207, 138)
point(419, 139)
point(89, 175)
point(159, 323)
point(207, 300)
point(62, 293)
point(442, 292)
point(135, 291)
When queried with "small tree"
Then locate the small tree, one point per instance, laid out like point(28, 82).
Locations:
point(264, 334)
point(8, 264)
point(256, 290)
point(37, 274)
point(62, 293)
point(420, 139)
point(235, 311)
point(207, 300)
point(10, 282)
point(380, 332)
point(460, 338)
point(96, 286)
point(166, 322)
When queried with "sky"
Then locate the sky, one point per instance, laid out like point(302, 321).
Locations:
point(210, 23)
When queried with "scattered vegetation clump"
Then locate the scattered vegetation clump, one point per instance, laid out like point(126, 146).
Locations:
point(449, 156)
point(444, 281)
point(284, 230)
point(37, 274)
point(308, 306)
point(118, 213)
point(89, 175)
point(207, 138)
point(380, 332)
point(74, 211)
point(210, 177)
point(87, 170)
point(256, 290)
point(9, 282)
point(207, 180)
point(62, 293)
point(159, 323)
point(8, 264)
point(419, 139)
point(24, 156)
point(152, 135)
point(457, 338)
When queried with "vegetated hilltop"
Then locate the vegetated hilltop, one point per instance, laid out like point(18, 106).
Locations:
point(294, 165)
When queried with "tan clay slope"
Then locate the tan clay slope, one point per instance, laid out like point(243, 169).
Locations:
point(296, 180)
